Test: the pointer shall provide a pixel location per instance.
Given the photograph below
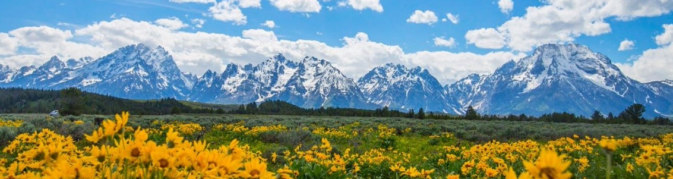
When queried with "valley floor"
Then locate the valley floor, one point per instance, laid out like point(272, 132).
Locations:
point(249, 146)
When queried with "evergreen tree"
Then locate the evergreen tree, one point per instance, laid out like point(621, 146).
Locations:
point(597, 116)
point(72, 102)
point(421, 114)
point(471, 114)
point(175, 110)
point(661, 121)
point(633, 114)
point(611, 117)
point(411, 113)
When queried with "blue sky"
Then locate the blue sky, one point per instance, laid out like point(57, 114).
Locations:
point(485, 35)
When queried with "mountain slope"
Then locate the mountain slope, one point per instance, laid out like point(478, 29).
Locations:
point(560, 78)
point(316, 83)
point(402, 88)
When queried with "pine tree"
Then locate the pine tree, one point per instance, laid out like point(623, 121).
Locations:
point(597, 116)
point(72, 102)
point(421, 114)
point(471, 114)
point(633, 114)
point(175, 110)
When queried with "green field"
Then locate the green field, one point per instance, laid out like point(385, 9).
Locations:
point(371, 147)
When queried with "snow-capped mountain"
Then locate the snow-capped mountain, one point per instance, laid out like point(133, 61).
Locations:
point(664, 89)
point(558, 78)
point(245, 84)
point(316, 83)
point(467, 92)
point(46, 75)
point(404, 88)
point(135, 71)
point(554, 78)
point(311, 83)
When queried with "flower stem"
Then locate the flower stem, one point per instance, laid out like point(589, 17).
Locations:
point(609, 169)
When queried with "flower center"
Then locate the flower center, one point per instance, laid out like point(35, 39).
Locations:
point(254, 172)
point(549, 172)
point(135, 152)
point(163, 163)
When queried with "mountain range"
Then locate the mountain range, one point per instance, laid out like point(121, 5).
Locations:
point(554, 78)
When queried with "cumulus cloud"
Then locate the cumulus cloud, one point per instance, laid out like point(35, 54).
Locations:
point(199, 51)
point(250, 3)
point(198, 23)
point(227, 11)
point(487, 38)
point(653, 64)
point(422, 17)
point(449, 67)
point(453, 18)
point(505, 6)
point(8, 45)
point(440, 41)
point(269, 24)
point(667, 36)
point(193, 1)
point(374, 5)
point(560, 21)
point(297, 5)
point(626, 45)
point(45, 42)
point(172, 23)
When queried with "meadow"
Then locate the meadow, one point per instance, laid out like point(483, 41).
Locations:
point(257, 146)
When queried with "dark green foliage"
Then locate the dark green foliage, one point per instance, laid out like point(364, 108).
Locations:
point(421, 114)
point(72, 101)
point(633, 114)
point(471, 114)
point(597, 116)
point(175, 110)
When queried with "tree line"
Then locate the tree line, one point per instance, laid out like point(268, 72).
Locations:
point(72, 101)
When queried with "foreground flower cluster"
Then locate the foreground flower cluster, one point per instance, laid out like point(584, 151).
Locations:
point(115, 153)
point(117, 150)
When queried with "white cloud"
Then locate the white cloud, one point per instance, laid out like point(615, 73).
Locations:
point(653, 64)
point(196, 52)
point(564, 20)
point(172, 23)
point(505, 6)
point(250, 3)
point(374, 5)
point(667, 36)
point(45, 42)
point(269, 24)
point(260, 35)
point(423, 17)
point(440, 41)
point(198, 23)
point(485, 38)
point(453, 18)
point(449, 67)
point(626, 45)
point(8, 45)
point(297, 5)
point(227, 11)
point(193, 1)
